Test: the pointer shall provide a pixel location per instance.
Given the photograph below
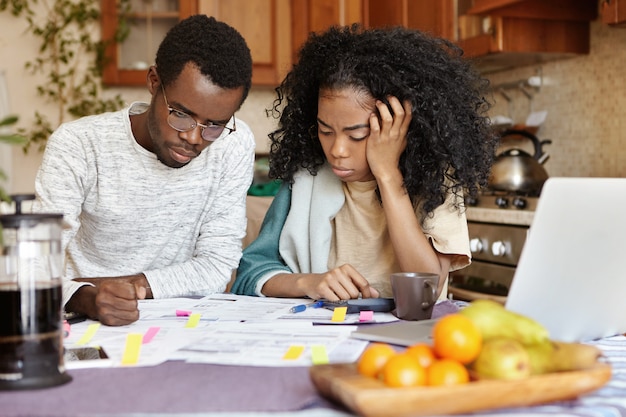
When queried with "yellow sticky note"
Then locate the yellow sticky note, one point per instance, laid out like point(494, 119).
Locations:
point(339, 314)
point(193, 320)
point(318, 352)
point(293, 352)
point(132, 348)
point(89, 334)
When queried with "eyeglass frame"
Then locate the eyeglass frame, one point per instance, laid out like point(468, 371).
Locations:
point(195, 123)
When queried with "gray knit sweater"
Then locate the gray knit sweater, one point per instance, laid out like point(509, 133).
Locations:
point(127, 213)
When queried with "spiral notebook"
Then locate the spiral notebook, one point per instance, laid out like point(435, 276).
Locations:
point(571, 276)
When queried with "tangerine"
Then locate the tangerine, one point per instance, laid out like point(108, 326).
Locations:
point(456, 337)
point(403, 370)
point(446, 372)
point(423, 352)
point(374, 358)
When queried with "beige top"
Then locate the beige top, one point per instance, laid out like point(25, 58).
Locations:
point(361, 238)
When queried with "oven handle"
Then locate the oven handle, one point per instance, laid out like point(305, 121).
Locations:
point(475, 295)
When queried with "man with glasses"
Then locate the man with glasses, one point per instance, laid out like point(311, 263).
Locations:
point(154, 195)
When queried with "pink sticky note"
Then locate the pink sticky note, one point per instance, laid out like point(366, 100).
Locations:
point(150, 333)
point(67, 328)
point(183, 313)
point(366, 315)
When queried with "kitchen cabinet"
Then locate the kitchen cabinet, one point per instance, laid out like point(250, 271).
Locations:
point(149, 21)
point(265, 26)
point(515, 33)
point(538, 9)
point(614, 12)
point(260, 22)
point(318, 15)
point(433, 16)
point(275, 29)
point(496, 34)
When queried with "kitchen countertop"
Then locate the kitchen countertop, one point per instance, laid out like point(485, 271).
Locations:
point(257, 206)
point(503, 216)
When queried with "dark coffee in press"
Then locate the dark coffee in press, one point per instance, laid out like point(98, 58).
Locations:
point(31, 333)
point(31, 340)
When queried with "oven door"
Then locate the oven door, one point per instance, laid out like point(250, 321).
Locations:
point(481, 280)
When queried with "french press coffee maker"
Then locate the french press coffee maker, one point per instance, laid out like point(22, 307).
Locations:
point(31, 330)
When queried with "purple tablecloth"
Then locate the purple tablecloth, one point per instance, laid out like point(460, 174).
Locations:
point(177, 388)
point(174, 388)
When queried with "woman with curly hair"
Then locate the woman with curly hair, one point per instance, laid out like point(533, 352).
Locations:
point(381, 133)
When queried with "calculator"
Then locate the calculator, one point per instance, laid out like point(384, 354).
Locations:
point(380, 305)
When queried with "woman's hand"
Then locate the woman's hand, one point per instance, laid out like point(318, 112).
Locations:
point(341, 283)
point(387, 139)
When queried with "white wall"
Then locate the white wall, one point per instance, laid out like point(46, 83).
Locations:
point(6, 159)
point(22, 100)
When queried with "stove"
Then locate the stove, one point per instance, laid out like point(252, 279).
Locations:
point(510, 202)
point(498, 224)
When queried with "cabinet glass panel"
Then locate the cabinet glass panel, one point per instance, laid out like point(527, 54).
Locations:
point(470, 25)
point(149, 21)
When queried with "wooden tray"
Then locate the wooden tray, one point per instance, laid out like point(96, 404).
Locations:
point(369, 397)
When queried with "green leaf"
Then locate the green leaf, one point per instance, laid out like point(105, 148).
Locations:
point(9, 120)
point(13, 139)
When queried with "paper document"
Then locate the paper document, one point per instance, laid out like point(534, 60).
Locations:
point(225, 329)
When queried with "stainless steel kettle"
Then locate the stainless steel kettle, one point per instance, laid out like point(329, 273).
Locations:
point(516, 171)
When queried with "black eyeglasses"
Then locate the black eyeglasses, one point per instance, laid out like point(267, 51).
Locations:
point(183, 122)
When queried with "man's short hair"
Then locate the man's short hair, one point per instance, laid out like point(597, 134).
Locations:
point(217, 49)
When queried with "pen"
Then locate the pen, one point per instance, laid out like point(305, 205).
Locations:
point(301, 307)
point(73, 318)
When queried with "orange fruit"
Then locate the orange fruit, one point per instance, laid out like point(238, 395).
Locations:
point(446, 372)
point(423, 352)
point(403, 370)
point(456, 337)
point(374, 358)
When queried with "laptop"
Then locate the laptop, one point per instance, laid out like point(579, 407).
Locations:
point(571, 276)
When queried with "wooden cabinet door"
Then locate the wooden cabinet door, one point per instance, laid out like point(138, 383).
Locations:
point(127, 63)
point(580, 10)
point(318, 15)
point(614, 12)
point(433, 16)
point(265, 26)
point(517, 33)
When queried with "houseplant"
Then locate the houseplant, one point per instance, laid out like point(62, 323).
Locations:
point(70, 57)
point(11, 138)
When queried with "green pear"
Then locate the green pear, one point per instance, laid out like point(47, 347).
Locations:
point(502, 358)
point(494, 321)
